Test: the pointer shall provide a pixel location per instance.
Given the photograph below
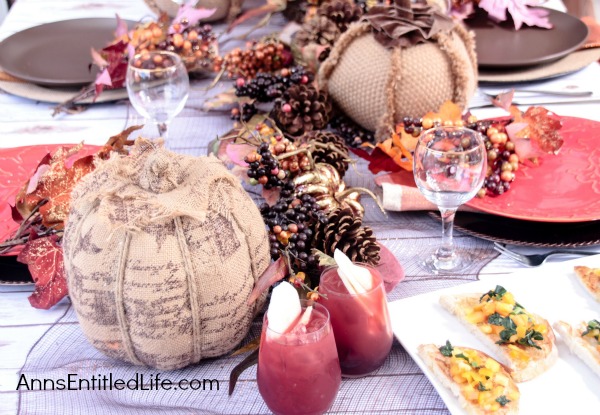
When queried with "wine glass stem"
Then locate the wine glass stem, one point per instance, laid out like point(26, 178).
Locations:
point(446, 250)
point(162, 130)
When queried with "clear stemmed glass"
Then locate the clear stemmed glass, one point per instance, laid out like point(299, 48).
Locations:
point(158, 86)
point(449, 167)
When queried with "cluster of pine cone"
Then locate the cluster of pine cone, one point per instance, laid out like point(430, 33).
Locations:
point(326, 26)
point(314, 209)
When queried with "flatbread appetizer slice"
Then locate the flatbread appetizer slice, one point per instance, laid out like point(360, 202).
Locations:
point(583, 341)
point(522, 341)
point(590, 279)
point(482, 385)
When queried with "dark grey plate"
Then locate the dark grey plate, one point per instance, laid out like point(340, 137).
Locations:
point(499, 45)
point(13, 272)
point(58, 53)
point(526, 233)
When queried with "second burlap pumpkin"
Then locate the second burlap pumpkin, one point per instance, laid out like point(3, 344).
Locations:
point(161, 253)
point(377, 86)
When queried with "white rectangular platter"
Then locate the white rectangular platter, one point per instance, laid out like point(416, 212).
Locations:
point(552, 291)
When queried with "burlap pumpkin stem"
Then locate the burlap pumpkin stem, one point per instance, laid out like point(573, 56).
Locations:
point(335, 151)
point(303, 108)
point(345, 232)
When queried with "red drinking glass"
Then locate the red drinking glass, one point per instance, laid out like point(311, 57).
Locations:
point(361, 322)
point(299, 373)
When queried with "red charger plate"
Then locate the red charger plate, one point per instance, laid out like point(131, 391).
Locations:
point(563, 188)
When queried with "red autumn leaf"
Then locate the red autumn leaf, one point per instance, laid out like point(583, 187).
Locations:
point(544, 126)
point(390, 268)
point(504, 100)
point(44, 258)
point(378, 160)
point(274, 272)
point(237, 152)
point(16, 215)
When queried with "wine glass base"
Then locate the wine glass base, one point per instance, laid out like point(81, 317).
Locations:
point(459, 262)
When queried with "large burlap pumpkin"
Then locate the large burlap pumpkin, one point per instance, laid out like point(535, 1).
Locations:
point(225, 9)
point(161, 253)
point(378, 85)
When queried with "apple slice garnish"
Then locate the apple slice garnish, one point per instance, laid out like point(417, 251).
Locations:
point(284, 308)
point(356, 279)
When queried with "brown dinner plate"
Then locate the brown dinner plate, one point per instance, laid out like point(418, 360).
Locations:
point(58, 53)
point(526, 233)
point(499, 45)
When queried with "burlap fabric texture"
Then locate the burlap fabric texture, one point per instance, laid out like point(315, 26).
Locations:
point(226, 9)
point(161, 253)
point(377, 87)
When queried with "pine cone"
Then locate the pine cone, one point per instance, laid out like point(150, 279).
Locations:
point(341, 12)
point(302, 109)
point(319, 30)
point(345, 232)
point(336, 154)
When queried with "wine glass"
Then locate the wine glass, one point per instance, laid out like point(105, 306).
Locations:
point(158, 86)
point(449, 166)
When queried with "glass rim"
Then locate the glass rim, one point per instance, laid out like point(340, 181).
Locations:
point(304, 304)
point(452, 127)
point(379, 280)
point(176, 60)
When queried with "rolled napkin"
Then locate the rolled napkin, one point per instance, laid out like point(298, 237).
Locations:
point(398, 197)
point(401, 195)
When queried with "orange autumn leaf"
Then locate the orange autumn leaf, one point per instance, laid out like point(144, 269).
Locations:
point(394, 148)
point(409, 141)
point(54, 181)
point(449, 111)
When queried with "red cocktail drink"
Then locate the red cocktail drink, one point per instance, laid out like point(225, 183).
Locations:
point(299, 371)
point(361, 323)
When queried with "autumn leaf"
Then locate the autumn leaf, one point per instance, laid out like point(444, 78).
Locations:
point(188, 16)
point(274, 272)
point(248, 361)
point(449, 111)
point(118, 142)
point(44, 258)
point(504, 100)
point(378, 160)
point(54, 185)
point(390, 267)
point(535, 133)
point(237, 152)
point(544, 126)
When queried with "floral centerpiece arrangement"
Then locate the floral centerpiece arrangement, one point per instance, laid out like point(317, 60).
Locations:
point(289, 139)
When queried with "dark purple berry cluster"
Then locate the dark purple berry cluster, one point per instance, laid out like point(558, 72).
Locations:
point(264, 168)
point(291, 222)
point(267, 87)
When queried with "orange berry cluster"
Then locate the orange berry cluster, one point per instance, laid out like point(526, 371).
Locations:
point(197, 45)
point(259, 56)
